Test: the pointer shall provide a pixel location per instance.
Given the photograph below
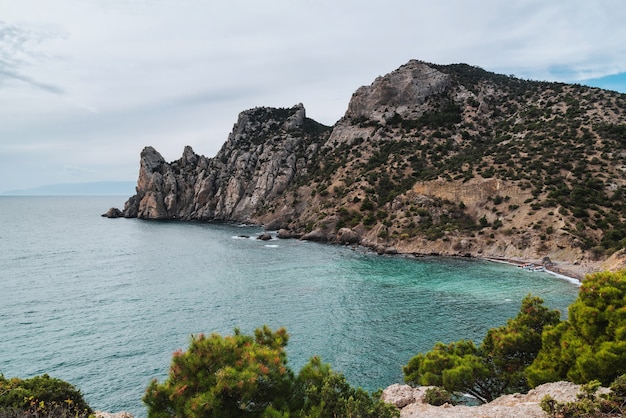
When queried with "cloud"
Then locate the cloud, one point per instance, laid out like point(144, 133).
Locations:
point(89, 83)
point(17, 52)
point(7, 74)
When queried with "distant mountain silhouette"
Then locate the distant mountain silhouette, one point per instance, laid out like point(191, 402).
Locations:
point(101, 188)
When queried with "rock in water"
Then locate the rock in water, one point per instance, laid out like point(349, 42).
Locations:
point(112, 213)
point(264, 237)
point(348, 236)
point(315, 235)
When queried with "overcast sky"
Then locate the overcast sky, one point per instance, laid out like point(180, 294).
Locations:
point(86, 84)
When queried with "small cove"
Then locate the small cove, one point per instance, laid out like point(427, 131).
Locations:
point(103, 303)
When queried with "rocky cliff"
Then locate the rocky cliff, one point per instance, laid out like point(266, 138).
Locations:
point(427, 159)
point(266, 152)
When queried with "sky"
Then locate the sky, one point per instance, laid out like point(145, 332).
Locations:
point(85, 85)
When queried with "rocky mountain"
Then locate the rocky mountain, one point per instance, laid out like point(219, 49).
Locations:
point(445, 159)
point(266, 152)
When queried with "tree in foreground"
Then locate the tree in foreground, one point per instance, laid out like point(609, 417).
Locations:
point(233, 376)
point(41, 396)
point(494, 368)
point(591, 344)
point(247, 376)
point(326, 393)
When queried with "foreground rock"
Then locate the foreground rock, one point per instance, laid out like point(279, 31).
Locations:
point(410, 402)
point(116, 415)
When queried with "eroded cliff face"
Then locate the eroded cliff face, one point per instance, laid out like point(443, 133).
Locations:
point(267, 149)
point(427, 159)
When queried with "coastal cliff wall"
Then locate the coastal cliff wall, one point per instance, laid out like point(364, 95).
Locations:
point(265, 152)
point(427, 159)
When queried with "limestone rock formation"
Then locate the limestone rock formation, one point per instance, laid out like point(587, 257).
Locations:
point(428, 159)
point(410, 402)
point(265, 152)
point(403, 91)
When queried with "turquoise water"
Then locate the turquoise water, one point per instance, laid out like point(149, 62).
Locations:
point(103, 303)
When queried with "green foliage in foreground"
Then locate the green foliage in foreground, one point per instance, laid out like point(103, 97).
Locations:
point(494, 368)
point(247, 376)
point(591, 344)
point(536, 347)
point(590, 403)
point(41, 396)
point(437, 396)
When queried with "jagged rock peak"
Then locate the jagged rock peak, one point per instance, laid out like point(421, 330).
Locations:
point(402, 90)
point(266, 151)
point(189, 157)
point(151, 159)
point(265, 119)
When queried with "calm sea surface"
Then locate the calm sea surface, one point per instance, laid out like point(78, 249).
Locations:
point(103, 303)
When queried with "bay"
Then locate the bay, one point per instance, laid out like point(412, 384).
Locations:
point(103, 303)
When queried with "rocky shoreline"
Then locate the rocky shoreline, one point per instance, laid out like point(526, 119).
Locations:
point(394, 173)
point(574, 271)
point(570, 271)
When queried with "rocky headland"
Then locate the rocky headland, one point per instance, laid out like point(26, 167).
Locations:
point(427, 160)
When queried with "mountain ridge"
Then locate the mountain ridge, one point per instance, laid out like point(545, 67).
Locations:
point(428, 159)
point(99, 188)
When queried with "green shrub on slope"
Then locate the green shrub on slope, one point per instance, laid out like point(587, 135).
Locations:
point(41, 396)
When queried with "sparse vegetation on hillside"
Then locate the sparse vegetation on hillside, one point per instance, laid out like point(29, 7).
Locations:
point(452, 159)
point(559, 144)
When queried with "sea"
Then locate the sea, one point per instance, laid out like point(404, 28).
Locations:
point(103, 303)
